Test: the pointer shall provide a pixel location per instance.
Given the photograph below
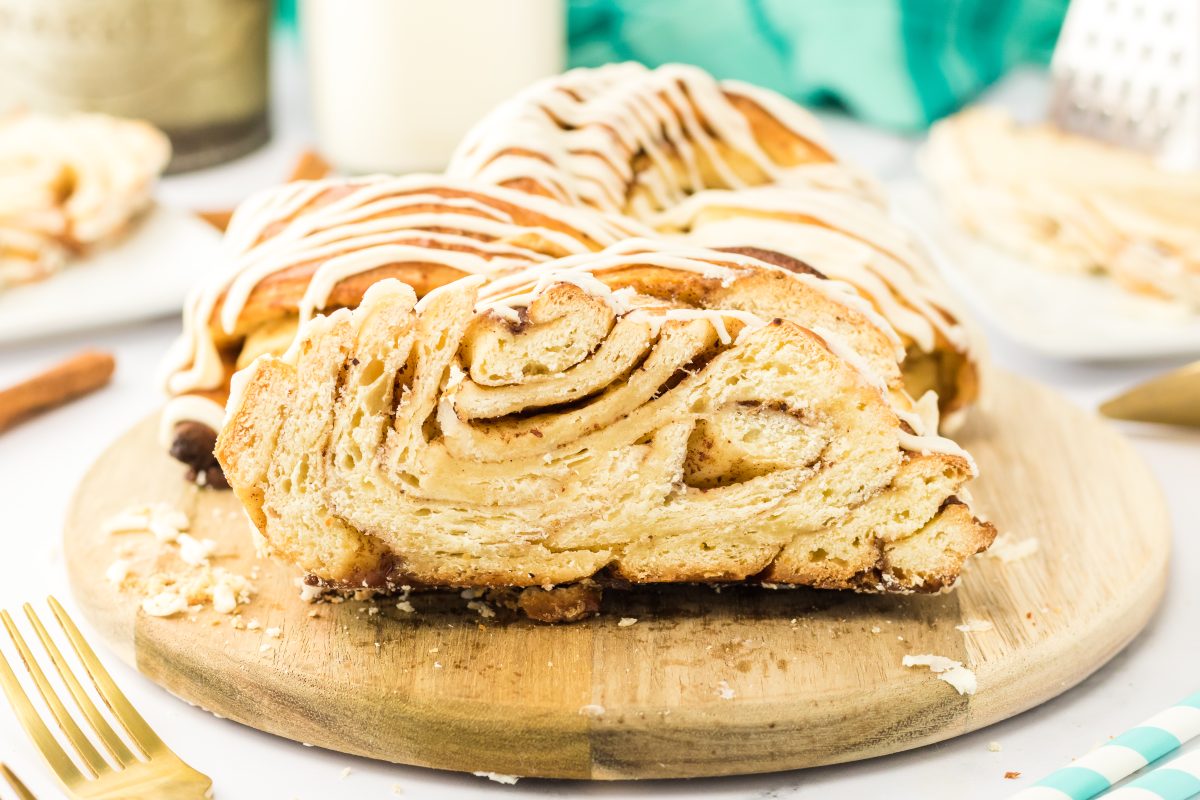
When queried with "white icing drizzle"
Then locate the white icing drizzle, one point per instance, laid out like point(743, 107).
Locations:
point(188, 408)
point(923, 419)
point(655, 317)
point(699, 260)
point(380, 220)
point(648, 252)
point(619, 301)
point(839, 235)
point(237, 389)
point(506, 307)
point(576, 134)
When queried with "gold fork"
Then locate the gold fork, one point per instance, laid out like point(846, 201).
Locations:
point(153, 773)
point(15, 783)
point(1172, 399)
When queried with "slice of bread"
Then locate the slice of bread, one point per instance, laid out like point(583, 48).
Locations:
point(564, 425)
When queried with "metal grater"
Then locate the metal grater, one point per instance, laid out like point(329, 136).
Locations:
point(1128, 72)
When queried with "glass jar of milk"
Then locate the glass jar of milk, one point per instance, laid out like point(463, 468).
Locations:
point(396, 83)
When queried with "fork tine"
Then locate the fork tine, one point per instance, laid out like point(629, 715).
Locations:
point(108, 737)
point(124, 711)
point(83, 746)
point(15, 783)
point(27, 715)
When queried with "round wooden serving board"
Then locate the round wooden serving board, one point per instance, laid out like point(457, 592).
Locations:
point(809, 677)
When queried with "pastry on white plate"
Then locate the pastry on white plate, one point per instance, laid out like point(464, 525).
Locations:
point(69, 183)
point(1069, 203)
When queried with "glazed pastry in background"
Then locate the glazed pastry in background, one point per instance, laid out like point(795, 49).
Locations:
point(1069, 203)
point(70, 183)
point(841, 237)
point(619, 416)
point(623, 138)
point(311, 246)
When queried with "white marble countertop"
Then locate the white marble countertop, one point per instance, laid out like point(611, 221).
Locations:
point(41, 461)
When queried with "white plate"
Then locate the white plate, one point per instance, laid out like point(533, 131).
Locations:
point(1076, 317)
point(147, 274)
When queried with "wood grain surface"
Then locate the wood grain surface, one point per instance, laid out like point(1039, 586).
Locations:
point(812, 677)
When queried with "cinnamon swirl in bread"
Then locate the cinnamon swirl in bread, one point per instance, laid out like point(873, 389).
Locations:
point(70, 183)
point(311, 246)
point(841, 237)
point(626, 139)
point(644, 414)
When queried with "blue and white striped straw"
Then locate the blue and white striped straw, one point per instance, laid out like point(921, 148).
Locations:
point(1106, 765)
point(1175, 780)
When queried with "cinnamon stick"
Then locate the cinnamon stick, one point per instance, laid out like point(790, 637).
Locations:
point(310, 167)
point(218, 219)
point(78, 375)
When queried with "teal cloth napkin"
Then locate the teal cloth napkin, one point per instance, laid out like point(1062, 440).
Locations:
point(900, 64)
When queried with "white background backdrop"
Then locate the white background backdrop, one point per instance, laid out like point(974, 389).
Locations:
point(41, 461)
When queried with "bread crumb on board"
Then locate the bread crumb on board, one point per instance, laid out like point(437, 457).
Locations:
point(993, 747)
point(165, 604)
point(118, 571)
point(946, 669)
point(498, 777)
point(481, 608)
point(974, 626)
point(171, 592)
point(193, 551)
point(626, 622)
point(1008, 548)
point(160, 519)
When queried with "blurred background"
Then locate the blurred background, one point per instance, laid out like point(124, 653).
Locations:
point(394, 84)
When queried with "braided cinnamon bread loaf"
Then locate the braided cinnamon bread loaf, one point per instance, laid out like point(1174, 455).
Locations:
point(718, 162)
point(626, 139)
point(309, 246)
point(643, 414)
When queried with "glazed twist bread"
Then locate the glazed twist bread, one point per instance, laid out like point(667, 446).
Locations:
point(624, 138)
point(725, 165)
point(561, 425)
point(310, 246)
point(1069, 203)
point(70, 183)
point(841, 237)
